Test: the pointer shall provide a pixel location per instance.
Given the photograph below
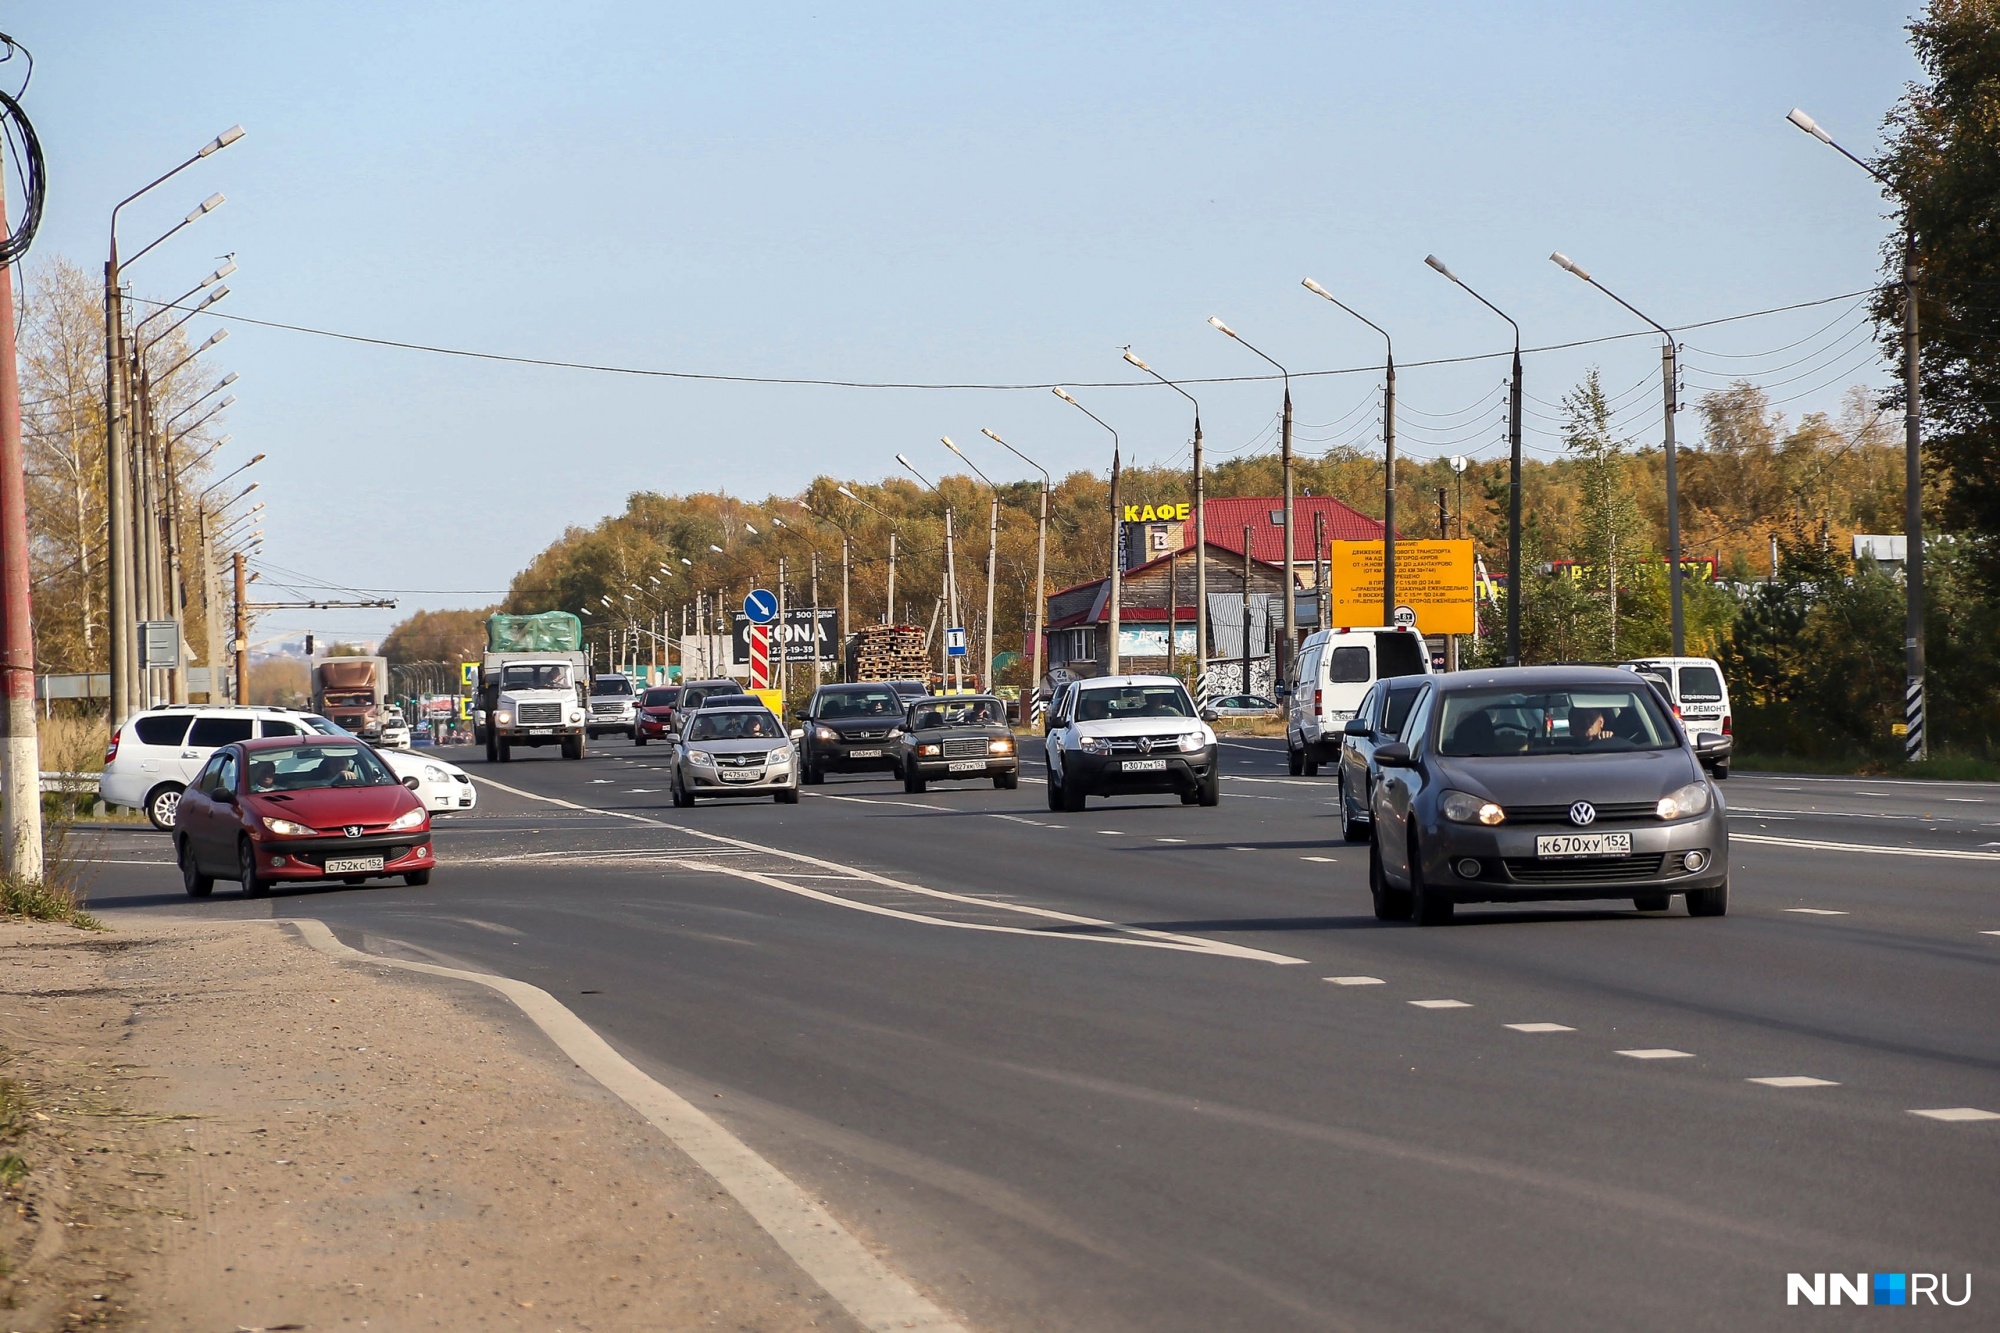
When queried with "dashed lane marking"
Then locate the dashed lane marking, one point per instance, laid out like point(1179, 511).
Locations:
point(1794, 1081)
point(1813, 844)
point(1111, 833)
point(1540, 1027)
point(1323, 860)
point(1659, 1053)
point(1354, 981)
point(1240, 849)
point(1441, 1004)
point(1990, 932)
point(1958, 1113)
point(1997, 932)
point(1815, 911)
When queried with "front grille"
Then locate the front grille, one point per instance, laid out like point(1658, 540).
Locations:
point(613, 708)
point(739, 761)
point(1559, 814)
point(388, 854)
point(1131, 744)
point(882, 735)
point(965, 749)
point(1585, 870)
point(535, 715)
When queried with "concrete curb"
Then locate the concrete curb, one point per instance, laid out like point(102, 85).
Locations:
point(877, 1297)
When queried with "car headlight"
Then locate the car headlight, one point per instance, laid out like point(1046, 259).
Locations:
point(285, 828)
point(1002, 745)
point(895, 733)
point(1692, 799)
point(1193, 741)
point(1465, 808)
point(783, 756)
point(576, 715)
point(825, 734)
point(701, 758)
point(503, 718)
point(1093, 745)
point(407, 820)
point(435, 774)
point(930, 749)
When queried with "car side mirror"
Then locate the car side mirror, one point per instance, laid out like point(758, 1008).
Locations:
point(1709, 740)
point(226, 795)
point(1283, 692)
point(411, 782)
point(798, 733)
point(1358, 726)
point(1210, 715)
point(1394, 754)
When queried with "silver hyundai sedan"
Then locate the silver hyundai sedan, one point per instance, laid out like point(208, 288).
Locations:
point(732, 751)
point(1538, 783)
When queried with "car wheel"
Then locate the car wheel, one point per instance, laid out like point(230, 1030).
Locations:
point(572, 747)
point(1007, 781)
point(811, 774)
point(683, 798)
point(1295, 760)
point(163, 804)
point(1721, 770)
point(1709, 902)
point(1210, 790)
point(1652, 902)
point(913, 782)
point(1055, 791)
point(492, 749)
point(197, 884)
point(790, 796)
point(246, 871)
point(1351, 829)
point(416, 879)
point(1073, 797)
point(1429, 906)
point(638, 740)
point(1310, 765)
point(506, 752)
point(1390, 904)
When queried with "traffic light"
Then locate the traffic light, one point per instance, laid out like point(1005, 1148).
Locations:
point(309, 645)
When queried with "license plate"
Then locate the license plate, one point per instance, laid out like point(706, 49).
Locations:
point(864, 754)
point(1559, 845)
point(541, 731)
point(348, 865)
point(966, 765)
point(1145, 765)
point(741, 776)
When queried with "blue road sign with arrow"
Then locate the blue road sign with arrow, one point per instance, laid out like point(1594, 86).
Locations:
point(761, 605)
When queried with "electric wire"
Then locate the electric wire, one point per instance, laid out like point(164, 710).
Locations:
point(26, 151)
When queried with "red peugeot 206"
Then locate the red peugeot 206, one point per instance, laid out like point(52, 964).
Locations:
point(299, 810)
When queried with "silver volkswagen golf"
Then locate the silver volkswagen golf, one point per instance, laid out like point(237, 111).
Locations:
point(1532, 783)
point(734, 752)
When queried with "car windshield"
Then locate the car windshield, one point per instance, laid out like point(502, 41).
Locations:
point(535, 676)
point(660, 698)
point(1585, 719)
point(314, 722)
point(611, 685)
point(312, 766)
point(1109, 703)
point(956, 713)
point(880, 701)
point(738, 724)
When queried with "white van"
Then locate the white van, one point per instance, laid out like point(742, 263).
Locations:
point(153, 757)
point(1701, 697)
point(1334, 669)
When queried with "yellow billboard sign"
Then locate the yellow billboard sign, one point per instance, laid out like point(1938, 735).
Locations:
point(1433, 579)
point(1158, 513)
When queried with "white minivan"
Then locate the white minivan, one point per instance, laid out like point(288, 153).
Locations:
point(153, 757)
point(1334, 669)
point(1702, 698)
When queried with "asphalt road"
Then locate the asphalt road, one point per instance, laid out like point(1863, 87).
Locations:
point(1157, 1067)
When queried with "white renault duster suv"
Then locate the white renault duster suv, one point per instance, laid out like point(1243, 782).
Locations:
point(1127, 736)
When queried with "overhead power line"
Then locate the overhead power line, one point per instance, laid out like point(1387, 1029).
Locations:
point(1043, 385)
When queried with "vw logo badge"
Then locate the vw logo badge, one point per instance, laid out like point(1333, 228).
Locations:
point(354, 830)
point(1583, 812)
point(1145, 745)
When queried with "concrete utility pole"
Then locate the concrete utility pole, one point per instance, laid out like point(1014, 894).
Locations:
point(1117, 518)
point(1282, 664)
point(985, 673)
point(778, 632)
point(1388, 455)
point(1246, 609)
point(20, 753)
point(242, 641)
point(815, 618)
point(1041, 563)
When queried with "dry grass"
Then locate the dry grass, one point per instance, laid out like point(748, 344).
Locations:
point(68, 745)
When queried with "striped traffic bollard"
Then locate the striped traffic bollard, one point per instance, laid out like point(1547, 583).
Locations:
point(1913, 720)
point(760, 657)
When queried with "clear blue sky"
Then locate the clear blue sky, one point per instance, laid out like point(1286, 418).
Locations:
point(916, 192)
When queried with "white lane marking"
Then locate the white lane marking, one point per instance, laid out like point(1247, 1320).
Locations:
point(1323, 860)
point(115, 861)
point(877, 1296)
point(1958, 1113)
point(1811, 844)
point(1983, 932)
point(643, 791)
point(1016, 819)
point(1240, 849)
point(1441, 1004)
point(1539, 1027)
point(1184, 840)
point(876, 800)
point(1815, 911)
point(1111, 833)
point(1354, 981)
point(600, 782)
point(1280, 782)
point(1157, 938)
point(1659, 1053)
point(1794, 1081)
point(1967, 800)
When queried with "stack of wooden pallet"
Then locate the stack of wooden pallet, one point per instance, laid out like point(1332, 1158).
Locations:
point(889, 652)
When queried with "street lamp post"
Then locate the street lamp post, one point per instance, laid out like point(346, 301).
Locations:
point(118, 502)
point(1916, 737)
point(1513, 470)
point(950, 573)
point(1117, 565)
point(1200, 542)
point(1669, 383)
point(889, 603)
point(1281, 669)
point(1388, 456)
point(1041, 561)
point(992, 555)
